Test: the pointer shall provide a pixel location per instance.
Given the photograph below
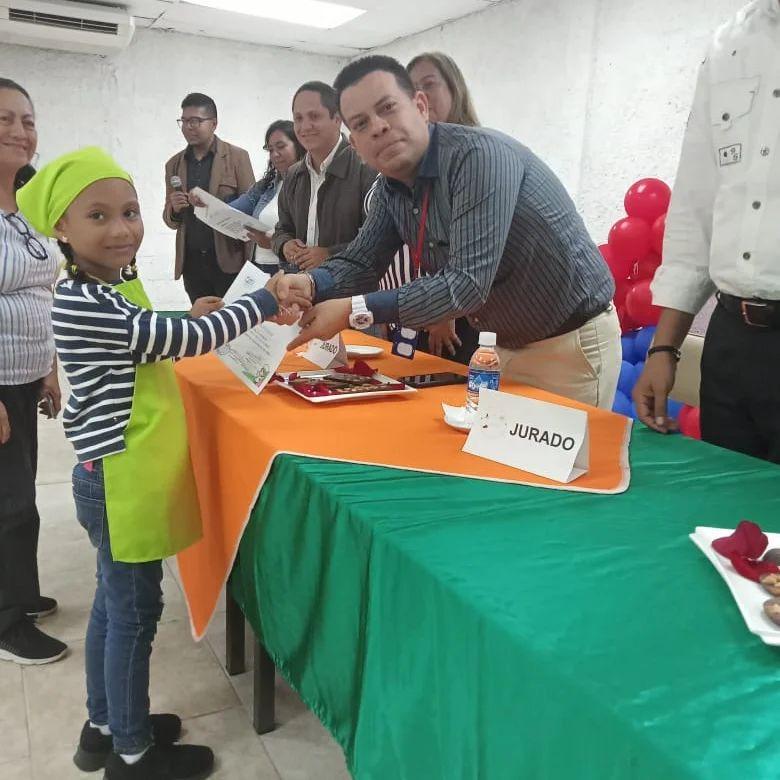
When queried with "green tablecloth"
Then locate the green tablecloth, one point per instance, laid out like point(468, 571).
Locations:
point(453, 629)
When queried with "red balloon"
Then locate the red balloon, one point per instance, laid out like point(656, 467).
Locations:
point(646, 267)
point(621, 290)
point(639, 304)
point(627, 325)
point(689, 421)
point(657, 235)
point(620, 268)
point(629, 241)
point(647, 199)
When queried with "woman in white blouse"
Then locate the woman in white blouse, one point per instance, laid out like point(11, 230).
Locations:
point(283, 149)
point(28, 377)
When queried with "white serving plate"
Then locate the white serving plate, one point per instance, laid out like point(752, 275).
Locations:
point(749, 595)
point(363, 351)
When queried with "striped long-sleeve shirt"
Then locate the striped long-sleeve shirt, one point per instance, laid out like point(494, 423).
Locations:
point(100, 338)
point(400, 270)
point(26, 279)
point(504, 243)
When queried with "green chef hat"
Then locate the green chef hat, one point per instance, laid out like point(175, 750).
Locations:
point(46, 197)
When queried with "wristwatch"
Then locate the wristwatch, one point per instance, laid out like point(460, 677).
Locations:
point(361, 318)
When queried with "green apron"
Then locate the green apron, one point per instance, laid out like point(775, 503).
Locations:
point(151, 499)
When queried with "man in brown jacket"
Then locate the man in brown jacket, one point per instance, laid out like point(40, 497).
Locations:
point(208, 260)
point(321, 200)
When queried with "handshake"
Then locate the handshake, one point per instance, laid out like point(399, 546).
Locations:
point(295, 295)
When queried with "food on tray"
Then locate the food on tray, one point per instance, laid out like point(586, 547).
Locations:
point(359, 378)
point(770, 583)
point(772, 610)
point(744, 549)
point(340, 384)
point(772, 556)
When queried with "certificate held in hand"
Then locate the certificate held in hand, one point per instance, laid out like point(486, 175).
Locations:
point(224, 218)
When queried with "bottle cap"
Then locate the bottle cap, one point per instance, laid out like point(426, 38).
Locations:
point(487, 339)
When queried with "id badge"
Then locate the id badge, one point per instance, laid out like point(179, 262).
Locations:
point(404, 340)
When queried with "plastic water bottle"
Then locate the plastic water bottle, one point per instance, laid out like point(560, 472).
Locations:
point(484, 369)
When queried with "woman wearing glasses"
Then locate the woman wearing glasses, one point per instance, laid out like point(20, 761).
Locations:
point(28, 377)
point(283, 149)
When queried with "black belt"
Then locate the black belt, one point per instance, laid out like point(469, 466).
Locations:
point(578, 319)
point(754, 312)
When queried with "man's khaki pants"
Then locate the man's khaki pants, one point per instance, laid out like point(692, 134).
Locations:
point(583, 364)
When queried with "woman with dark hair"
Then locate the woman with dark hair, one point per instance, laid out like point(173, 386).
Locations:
point(283, 149)
point(28, 377)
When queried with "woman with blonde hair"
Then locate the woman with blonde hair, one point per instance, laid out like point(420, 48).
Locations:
point(439, 77)
point(449, 100)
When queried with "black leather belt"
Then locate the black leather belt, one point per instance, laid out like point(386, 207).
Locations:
point(578, 319)
point(754, 312)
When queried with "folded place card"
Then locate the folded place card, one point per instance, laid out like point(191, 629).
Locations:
point(536, 436)
point(327, 354)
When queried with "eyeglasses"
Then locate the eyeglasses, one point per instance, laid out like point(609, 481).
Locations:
point(34, 246)
point(193, 122)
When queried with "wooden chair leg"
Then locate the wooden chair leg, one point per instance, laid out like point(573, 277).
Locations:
point(264, 698)
point(235, 654)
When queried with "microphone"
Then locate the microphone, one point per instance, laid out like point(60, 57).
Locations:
point(176, 183)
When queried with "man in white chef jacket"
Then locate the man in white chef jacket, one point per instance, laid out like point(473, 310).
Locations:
point(723, 237)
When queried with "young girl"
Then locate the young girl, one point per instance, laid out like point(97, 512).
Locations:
point(133, 485)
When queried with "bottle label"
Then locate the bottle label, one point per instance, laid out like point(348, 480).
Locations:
point(487, 379)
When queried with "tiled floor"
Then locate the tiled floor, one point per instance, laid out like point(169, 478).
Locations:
point(42, 708)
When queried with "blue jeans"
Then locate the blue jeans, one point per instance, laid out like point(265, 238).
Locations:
point(122, 625)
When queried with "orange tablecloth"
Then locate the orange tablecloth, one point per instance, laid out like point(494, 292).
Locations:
point(235, 436)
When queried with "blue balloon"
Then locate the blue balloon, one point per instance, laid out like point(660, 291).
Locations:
point(642, 342)
point(622, 404)
point(638, 368)
point(673, 408)
point(628, 348)
point(627, 378)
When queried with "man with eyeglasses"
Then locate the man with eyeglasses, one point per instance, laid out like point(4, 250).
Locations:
point(208, 260)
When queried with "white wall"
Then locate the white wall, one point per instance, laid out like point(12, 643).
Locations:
point(600, 89)
point(129, 104)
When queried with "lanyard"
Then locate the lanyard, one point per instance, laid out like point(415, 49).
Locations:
point(417, 253)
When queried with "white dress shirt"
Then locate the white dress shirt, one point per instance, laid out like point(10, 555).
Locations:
point(316, 178)
point(723, 225)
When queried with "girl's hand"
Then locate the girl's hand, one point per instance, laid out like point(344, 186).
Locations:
point(5, 425)
point(292, 290)
point(50, 395)
point(206, 305)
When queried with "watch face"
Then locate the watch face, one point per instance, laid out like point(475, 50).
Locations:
point(361, 321)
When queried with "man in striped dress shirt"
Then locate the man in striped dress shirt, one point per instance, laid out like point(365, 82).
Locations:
point(502, 243)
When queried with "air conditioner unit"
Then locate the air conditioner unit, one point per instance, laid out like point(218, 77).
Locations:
point(91, 29)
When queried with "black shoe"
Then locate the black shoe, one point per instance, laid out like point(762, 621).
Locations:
point(46, 606)
point(25, 643)
point(175, 762)
point(94, 747)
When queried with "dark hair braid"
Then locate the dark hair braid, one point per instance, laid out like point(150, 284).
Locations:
point(74, 272)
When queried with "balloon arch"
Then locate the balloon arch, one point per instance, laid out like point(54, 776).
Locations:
point(633, 252)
